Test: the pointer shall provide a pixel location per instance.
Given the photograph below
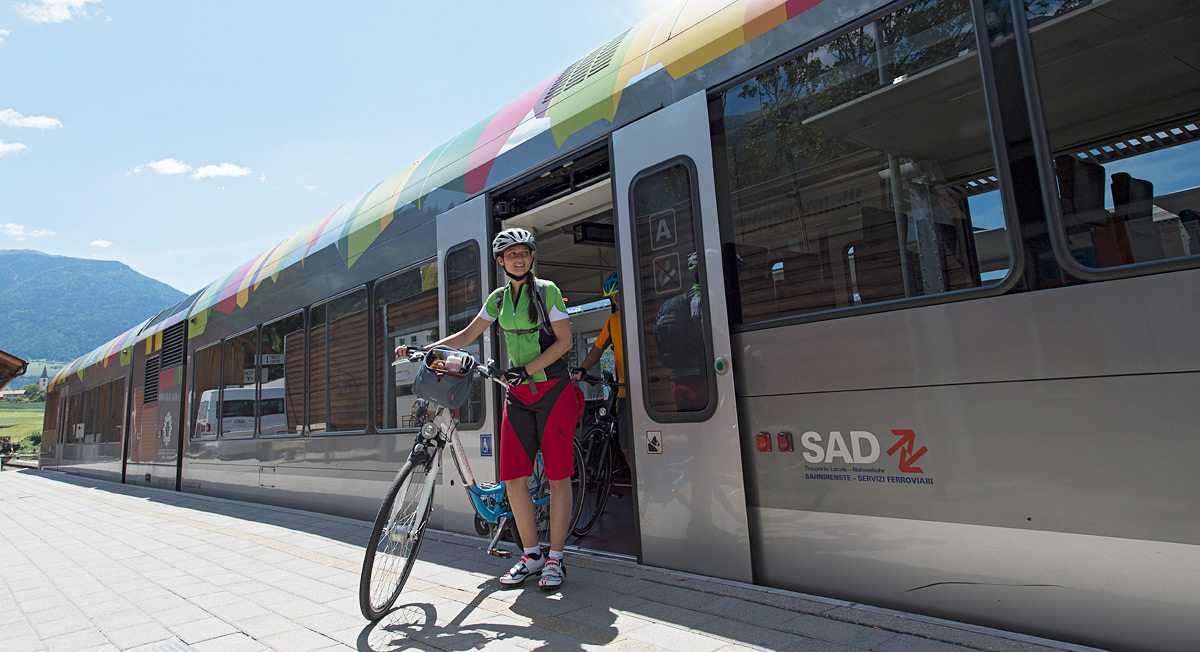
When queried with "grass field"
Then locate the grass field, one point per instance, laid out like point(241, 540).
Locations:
point(20, 420)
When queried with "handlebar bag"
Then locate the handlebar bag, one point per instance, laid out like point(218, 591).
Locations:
point(443, 382)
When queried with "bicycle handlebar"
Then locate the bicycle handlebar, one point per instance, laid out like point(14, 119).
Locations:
point(592, 380)
point(487, 370)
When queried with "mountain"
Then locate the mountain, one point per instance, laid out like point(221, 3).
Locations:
point(59, 308)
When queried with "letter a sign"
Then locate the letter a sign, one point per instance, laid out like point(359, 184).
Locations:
point(662, 229)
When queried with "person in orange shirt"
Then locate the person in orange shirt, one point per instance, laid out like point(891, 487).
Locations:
point(611, 334)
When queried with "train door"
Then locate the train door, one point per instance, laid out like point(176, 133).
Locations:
point(691, 494)
point(155, 423)
point(464, 259)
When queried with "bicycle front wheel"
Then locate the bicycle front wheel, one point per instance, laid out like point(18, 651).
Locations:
point(597, 462)
point(395, 539)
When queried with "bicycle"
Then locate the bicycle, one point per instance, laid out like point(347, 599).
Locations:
point(399, 527)
point(600, 453)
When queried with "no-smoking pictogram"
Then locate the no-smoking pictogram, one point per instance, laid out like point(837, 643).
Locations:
point(667, 279)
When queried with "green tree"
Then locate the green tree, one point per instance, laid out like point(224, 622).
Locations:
point(35, 394)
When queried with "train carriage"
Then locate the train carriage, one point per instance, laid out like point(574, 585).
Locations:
point(908, 310)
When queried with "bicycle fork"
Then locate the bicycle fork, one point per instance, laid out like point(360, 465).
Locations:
point(401, 533)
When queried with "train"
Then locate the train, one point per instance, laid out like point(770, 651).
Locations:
point(931, 270)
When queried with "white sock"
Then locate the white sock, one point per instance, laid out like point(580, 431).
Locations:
point(535, 552)
point(556, 555)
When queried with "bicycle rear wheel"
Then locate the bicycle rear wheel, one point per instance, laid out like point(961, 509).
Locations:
point(539, 489)
point(395, 539)
point(597, 460)
point(579, 481)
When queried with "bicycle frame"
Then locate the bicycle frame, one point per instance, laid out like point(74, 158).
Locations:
point(490, 500)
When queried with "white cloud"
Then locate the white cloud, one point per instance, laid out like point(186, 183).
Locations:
point(3, 33)
point(310, 188)
point(167, 166)
point(19, 231)
point(11, 118)
point(103, 244)
point(262, 176)
point(53, 11)
point(9, 148)
point(222, 170)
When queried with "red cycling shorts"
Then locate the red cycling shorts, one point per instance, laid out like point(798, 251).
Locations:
point(543, 421)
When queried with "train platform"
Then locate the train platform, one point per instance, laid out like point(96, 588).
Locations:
point(98, 566)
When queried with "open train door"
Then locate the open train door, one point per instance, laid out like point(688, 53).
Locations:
point(464, 263)
point(691, 496)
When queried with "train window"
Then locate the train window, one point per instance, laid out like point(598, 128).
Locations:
point(1120, 91)
point(317, 370)
point(862, 171)
point(89, 416)
point(116, 412)
point(103, 396)
point(673, 309)
point(238, 383)
point(281, 375)
point(73, 425)
point(51, 417)
point(406, 312)
point(206, 385)
point(337, 370)
point(463, 303)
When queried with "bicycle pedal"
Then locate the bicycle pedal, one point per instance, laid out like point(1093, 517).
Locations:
point(615, 494)
point(503, 554)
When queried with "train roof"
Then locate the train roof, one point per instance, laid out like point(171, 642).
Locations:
point(570, 108)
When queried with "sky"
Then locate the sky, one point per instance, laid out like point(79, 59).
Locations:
point(185, 137)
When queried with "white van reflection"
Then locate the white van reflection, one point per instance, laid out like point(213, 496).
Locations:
point(237, 412)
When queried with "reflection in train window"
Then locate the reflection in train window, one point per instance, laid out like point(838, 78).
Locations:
point(281, 375)
point(1122, 108)
point(206, 384)
point(337, 370)
point(462, 304)
point(862, 171)
point(674, 310)
point(240, 353)
point(71, 432)
point(116, 412)
point(406, 312)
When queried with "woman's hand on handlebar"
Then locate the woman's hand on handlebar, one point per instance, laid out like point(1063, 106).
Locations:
point(405, 353)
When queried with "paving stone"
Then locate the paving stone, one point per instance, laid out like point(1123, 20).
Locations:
point(203, 630)
point(221, 575)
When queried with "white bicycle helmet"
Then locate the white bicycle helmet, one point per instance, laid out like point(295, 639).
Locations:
point(510, 237)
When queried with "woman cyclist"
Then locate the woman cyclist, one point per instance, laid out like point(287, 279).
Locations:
point(542, 405)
